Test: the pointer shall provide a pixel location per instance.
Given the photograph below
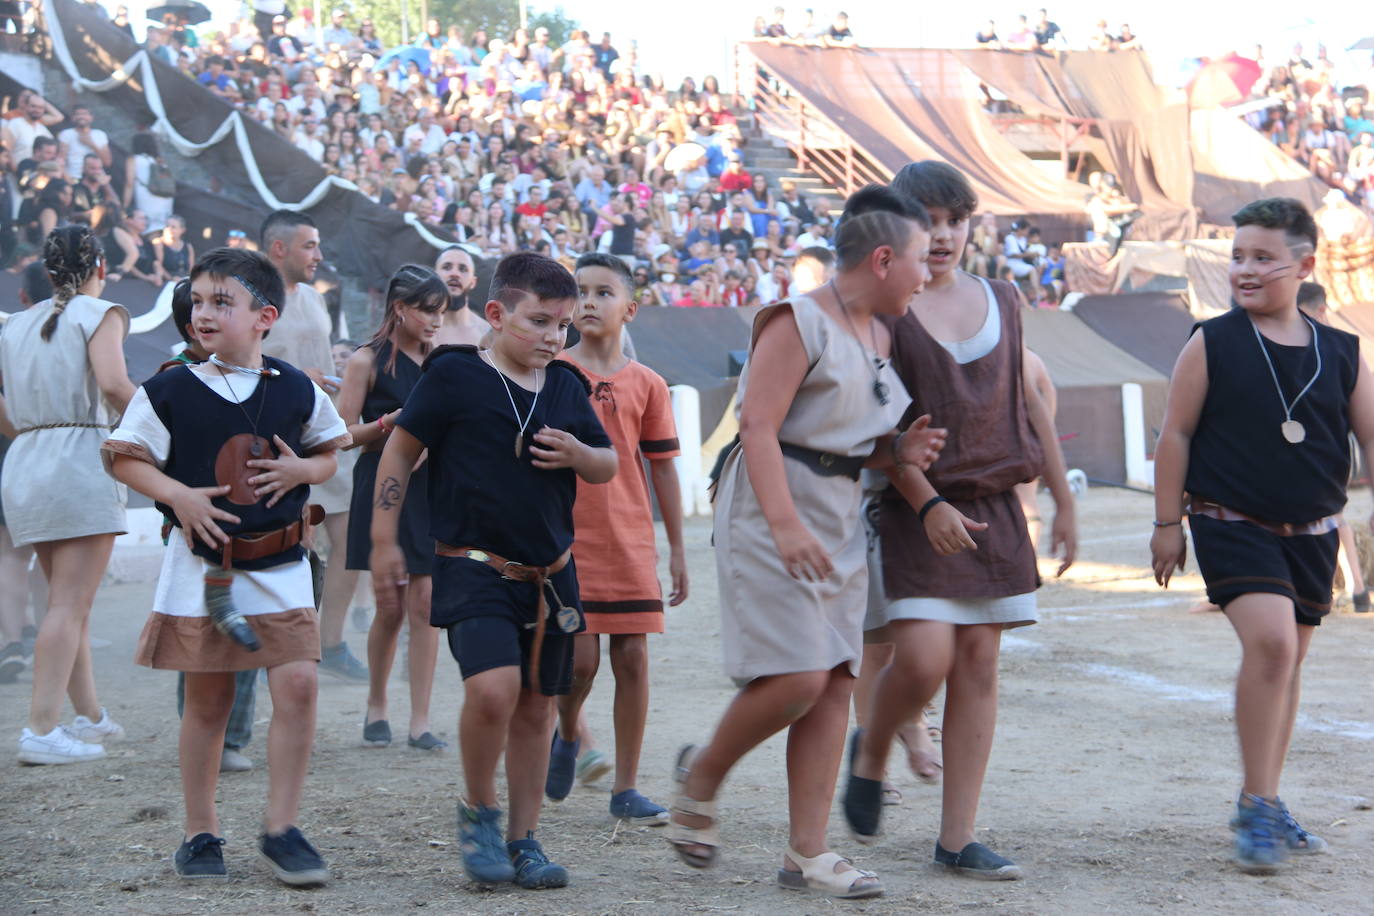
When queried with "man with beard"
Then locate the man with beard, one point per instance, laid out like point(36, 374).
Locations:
point(461, 324)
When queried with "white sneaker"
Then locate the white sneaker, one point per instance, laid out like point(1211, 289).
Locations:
point(106, 729)
point(231, 761)
point(57, 746)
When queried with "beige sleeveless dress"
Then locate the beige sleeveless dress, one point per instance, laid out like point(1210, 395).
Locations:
point(54, 486)
point(771, 623)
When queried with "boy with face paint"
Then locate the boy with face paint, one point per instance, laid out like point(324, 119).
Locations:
point(228, 449)
point(1256, 433)
point(509, 430)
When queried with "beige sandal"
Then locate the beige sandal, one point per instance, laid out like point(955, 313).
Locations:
point(829, 873)
point(689, 841)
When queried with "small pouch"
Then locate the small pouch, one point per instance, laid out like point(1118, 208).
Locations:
point(231, 466)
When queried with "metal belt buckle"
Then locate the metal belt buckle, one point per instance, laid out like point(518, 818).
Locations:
point(481, 556)
point(827, 459)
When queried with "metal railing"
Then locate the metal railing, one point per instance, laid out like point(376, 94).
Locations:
point(819, 145)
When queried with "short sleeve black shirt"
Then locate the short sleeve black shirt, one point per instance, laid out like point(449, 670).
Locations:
point(480, 493)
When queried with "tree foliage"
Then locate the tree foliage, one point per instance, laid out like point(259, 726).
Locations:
point(500, 18)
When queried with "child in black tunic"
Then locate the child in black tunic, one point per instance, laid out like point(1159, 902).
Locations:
point(377, 380)
point(1261, 405)
point(509, 430)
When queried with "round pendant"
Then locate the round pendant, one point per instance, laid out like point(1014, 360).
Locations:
point(255, 448)
point(569, 619)
point(1293, 431)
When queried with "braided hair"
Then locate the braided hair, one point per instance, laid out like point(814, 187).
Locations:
point(71, 254)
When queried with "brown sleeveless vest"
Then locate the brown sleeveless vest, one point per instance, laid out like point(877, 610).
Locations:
point(991, 448)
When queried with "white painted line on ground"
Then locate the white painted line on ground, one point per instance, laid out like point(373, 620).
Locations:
point(1137, 603)
point(1346, 728)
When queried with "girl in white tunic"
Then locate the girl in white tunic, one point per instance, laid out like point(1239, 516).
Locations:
point(62, 362)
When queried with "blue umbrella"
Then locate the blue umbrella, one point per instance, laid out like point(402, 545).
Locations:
point(407, 53)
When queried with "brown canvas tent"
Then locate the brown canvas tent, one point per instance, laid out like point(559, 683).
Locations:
point(1152, 327)
point(904, 104)
point(1088, 372)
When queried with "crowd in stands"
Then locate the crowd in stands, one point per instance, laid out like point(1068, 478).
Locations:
point(805, 30)
point(1319, 116)
point(1044, 34)
point(58, 169)
point(508, 142)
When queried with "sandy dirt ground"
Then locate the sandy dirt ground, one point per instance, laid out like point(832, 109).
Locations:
point(1111, 782)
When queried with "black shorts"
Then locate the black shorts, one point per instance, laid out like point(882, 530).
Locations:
point(1238, 558)
point(490, 621)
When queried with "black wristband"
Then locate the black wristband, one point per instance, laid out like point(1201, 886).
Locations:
point(930, 504)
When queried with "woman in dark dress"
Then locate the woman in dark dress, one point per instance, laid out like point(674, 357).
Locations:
point(378, 378)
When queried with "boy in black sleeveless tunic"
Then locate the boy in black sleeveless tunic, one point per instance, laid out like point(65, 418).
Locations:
point(1261, 405)
point(509, 431)
point(228, 450)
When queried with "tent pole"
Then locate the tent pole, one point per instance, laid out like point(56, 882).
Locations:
point(1064, 145)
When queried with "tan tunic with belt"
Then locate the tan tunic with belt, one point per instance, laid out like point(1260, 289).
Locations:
point(771, 623)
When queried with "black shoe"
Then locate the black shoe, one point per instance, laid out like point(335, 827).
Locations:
point(292, 859)
point(977, 861)
point(863, 799)
point(377, 734)
point(200, 858)
point(1361, 600)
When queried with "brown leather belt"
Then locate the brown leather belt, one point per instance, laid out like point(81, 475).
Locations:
point(1222, 513)
point(255, 546)
point(520, 572)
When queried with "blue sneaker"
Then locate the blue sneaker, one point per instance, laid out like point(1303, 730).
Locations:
point(631, 806)
point(1261, 835)
point(562, 767)
point(533, 870)
point(484, 853)
point(292, 859)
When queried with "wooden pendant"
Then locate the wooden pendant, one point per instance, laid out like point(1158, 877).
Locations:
point(519, 444)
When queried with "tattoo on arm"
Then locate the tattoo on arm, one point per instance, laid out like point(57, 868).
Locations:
point(389, 494)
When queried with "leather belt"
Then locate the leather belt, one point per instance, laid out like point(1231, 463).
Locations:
point(255, 546)
point(520, 572)
point(825, 464)
point(1222, 513)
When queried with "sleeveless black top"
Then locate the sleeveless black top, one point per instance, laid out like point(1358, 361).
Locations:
point(391, 388)
point(1239, 457)
point(176, 263)
point(201, 421)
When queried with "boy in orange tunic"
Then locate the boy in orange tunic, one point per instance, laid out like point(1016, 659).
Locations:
point(614, 547)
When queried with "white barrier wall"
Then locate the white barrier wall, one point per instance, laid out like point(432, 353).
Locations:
point(1140, 470)
point(691, 471)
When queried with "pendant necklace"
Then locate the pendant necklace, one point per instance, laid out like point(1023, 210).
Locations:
point(880, 389)
point(1292, 430)
point(538, 381)
point(258, 447)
